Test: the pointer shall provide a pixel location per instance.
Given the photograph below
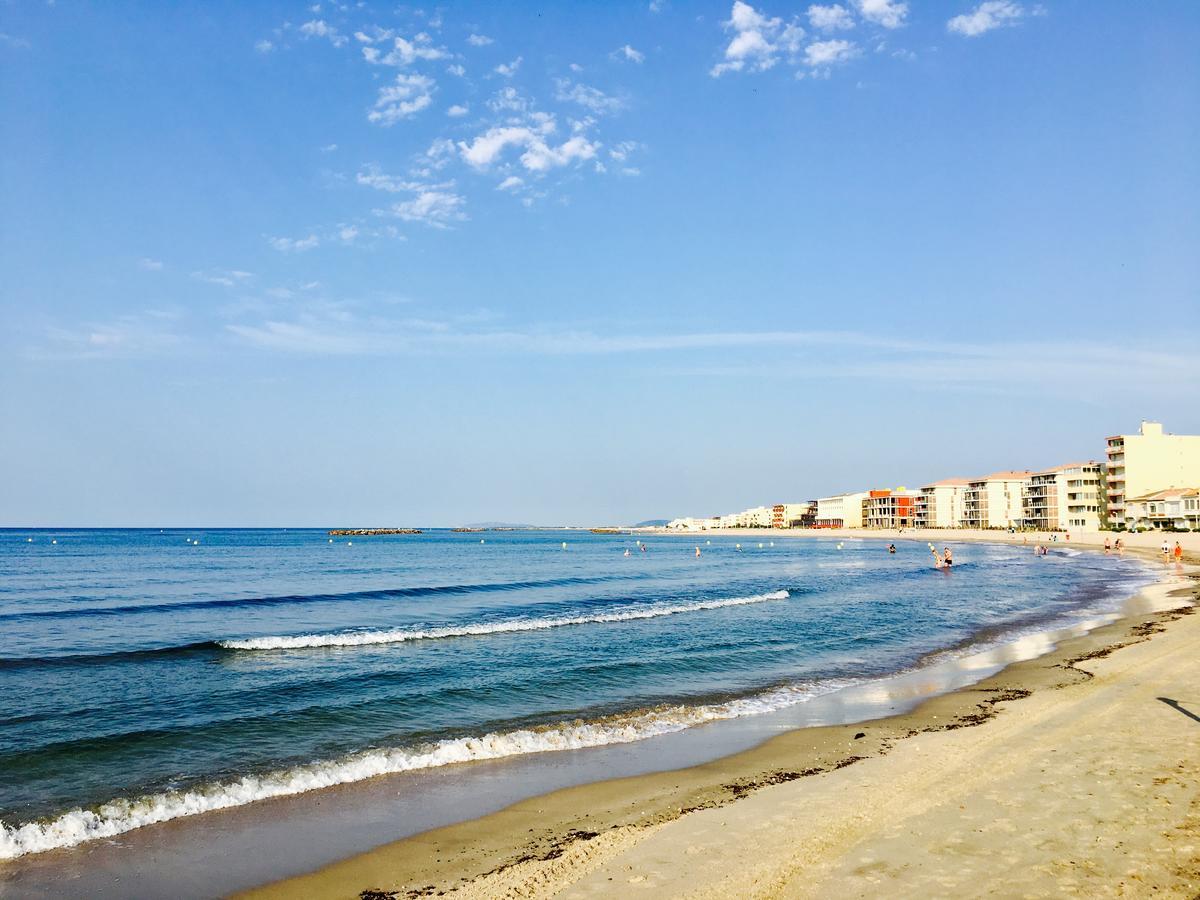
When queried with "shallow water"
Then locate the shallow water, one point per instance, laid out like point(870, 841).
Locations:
point(146, 677)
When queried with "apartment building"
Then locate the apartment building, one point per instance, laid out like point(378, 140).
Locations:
point(995, 501)
point(891, 509)
point(1065, 497)
point(1149, 461)
point(794, 515)
point(1173, 508)
point(841, 511)
point(940, 505)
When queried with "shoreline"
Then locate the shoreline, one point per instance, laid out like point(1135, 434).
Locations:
point(584, 822)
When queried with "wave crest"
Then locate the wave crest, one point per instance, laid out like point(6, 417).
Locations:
point(396, 636)
point(122, 815)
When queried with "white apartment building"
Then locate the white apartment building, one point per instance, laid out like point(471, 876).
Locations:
point(995, 501)
point(1065, 497)
point(1172, 508)
point(940, 505)
point(841, 511)
point(1149, 461)
point(691, 523)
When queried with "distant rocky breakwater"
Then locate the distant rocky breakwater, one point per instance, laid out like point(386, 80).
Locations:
point(368, 532)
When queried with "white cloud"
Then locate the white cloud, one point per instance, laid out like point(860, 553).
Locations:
point(436, 208)
point(456, 69)
point(225, 278)
point(830, 18)
point(134, 335)
point(538, 155)
point(405, 52)
point(264, 46)
point(757, 42)
point(657, 6)
point(347, 233)
point(888, 13)
point(479, 40)
point(322, 29)
point(457, 110)
point(373, 177)
point(406, 97)
point(629, 54)
point(589, 98)
point(827, 53)
point(985, 17)
point(329, 148)
point(508, 70)
point(511, 183)
point(621, 151)
point(541, 157)
point(150, 265)
point(294, 245)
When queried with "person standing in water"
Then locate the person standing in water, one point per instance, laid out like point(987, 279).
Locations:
point(1178, 553)
point(947, 557)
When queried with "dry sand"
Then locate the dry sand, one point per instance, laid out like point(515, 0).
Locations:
point(1065, 775)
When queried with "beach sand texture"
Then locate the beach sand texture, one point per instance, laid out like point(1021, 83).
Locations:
point(1068, 775)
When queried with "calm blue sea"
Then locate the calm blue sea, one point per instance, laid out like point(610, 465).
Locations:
point(147, 675)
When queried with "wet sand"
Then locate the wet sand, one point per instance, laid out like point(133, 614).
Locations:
point(1062, 774)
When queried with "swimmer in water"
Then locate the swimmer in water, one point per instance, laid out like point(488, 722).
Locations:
point(948, 557)
point(937, 560)
point(891, 548)
point(697, 552)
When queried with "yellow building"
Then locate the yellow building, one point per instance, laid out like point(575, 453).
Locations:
point(940, 504)
point(1149, 461)
point(841, 511)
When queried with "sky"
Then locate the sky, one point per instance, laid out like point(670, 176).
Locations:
point(364, 264)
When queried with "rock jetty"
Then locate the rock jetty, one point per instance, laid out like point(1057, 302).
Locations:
point(367, 532)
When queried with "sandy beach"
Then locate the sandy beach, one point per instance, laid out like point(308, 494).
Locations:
point(1076, 773)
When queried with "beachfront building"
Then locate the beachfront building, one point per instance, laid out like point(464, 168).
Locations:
point(995, 501)
point(1064, 498)
point(1149, 461)
point(940, 505)
point(794, 515)
point(891, 509)
point(691, 523)
point(1173, 508)
point(841, 511)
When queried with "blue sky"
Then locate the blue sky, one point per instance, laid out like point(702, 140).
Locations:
point(297, 264)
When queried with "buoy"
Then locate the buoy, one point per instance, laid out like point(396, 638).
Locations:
point(708, 543)
point(481, 540)
point(772, 543)
point(738, 546)
point(54, 542)
point(760, 546)
point(564, 545)
point(839, 546)
point(29, 540)
point(331, 540)
point(349, 543)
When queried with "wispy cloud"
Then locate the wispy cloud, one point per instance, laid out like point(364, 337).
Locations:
point(12, 40)
point(319, 28)
point(405, 52)
point(479, 40)
point(827, 53)
point(590, 98)
point(147, 333)
point(224, 277)
point(405, 97)
point(150, 265)
point(508, 70)
point(294, 245)
point(628, 54)
point(986, 17)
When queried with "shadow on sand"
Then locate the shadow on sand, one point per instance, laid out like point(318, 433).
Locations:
point(1174, 704)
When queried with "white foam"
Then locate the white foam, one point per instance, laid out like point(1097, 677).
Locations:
point(122, 815)
point(396, 636)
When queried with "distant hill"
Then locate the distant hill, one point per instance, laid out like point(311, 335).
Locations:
point(652, 523)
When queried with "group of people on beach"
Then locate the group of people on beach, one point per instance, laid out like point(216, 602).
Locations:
point(1167, 552)
point(1118, 545)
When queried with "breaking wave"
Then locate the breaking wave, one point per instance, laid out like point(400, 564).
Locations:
point(122, 815)
point(396, 636)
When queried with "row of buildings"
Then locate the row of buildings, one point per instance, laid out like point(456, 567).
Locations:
point(1147, 480)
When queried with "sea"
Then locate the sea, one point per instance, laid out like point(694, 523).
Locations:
point(148, 675)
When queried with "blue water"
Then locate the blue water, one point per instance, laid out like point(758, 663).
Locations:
point(138, 679)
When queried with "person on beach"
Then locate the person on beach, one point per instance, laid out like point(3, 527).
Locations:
point(1178, 552)
point(1107, 545)
point(1119, 546)
point(1166, 550)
